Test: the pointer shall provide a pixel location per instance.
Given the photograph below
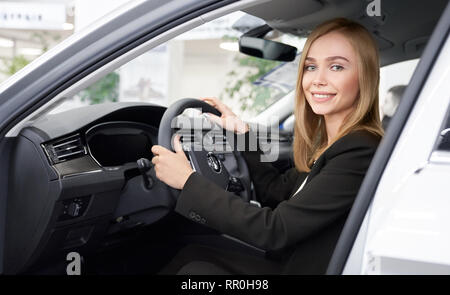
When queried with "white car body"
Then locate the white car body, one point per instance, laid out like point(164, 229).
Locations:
point(407, 228)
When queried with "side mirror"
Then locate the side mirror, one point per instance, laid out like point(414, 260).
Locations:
point(252, 43)
point(267, 49)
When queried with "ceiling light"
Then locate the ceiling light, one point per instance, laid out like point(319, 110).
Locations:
point(6, 43)
point(30, 51)
point(67, 26)
point(231, 46)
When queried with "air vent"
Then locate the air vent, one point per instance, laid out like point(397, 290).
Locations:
point(65, 149)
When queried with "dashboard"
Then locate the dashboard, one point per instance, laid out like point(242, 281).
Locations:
point(114, 144)
point(75, 181)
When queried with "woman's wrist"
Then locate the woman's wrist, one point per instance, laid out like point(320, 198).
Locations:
point(242, 128)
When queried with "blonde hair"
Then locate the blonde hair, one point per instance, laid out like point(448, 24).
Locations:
point(309, 132)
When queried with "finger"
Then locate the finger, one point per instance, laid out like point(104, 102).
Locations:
point(214, 118)
point(209, 100)
point(177, 147)
point(214, 102)
point(219, 105)
point(155, 160)
point(154, 149)
point(157, 149)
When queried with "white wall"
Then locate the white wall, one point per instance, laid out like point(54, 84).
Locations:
point(205, 68)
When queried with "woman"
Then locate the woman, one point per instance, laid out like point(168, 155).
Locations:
point(336, 135)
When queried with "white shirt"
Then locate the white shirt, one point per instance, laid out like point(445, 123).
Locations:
point(301, 186)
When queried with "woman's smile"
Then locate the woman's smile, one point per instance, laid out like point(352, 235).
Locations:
point(321, 96)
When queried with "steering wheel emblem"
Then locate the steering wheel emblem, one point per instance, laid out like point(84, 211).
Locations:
point(213, 162)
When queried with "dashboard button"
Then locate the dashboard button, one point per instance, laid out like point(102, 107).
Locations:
point(74, 209)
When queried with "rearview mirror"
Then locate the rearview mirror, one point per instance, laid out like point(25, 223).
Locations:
point(267, 49)
point(252, 43)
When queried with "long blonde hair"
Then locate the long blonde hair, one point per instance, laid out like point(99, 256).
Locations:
point(309, 132)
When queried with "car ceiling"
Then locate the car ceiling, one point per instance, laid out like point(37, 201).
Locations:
point(401, 31)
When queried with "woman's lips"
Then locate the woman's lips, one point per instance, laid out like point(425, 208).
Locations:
point(322, 96)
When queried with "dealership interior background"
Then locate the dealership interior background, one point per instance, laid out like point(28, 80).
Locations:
point(196, 64)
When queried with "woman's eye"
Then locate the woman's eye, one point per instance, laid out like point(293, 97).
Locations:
point(310, 68)
point(337, 68)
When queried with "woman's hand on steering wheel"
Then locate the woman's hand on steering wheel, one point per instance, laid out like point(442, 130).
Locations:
point(228, 120)
point(172, 168)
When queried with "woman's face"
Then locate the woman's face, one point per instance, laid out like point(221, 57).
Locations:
point(330, 76)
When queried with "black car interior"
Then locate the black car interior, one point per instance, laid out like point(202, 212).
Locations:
point(83, 186)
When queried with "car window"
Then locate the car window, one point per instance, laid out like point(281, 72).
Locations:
point(394, 79)
point(443, 141)
point(203, 62)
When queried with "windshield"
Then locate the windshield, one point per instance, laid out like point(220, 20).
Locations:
point(203, 62)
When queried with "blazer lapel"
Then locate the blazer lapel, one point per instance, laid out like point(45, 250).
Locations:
point(315, 169)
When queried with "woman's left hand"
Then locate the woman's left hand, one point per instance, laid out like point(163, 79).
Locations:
point(171, 168)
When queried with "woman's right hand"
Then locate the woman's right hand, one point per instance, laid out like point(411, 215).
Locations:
point(228, 120)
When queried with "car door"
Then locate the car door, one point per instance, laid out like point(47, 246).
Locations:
point(398, 224)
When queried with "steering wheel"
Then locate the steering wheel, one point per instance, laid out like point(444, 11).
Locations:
point(210, 164)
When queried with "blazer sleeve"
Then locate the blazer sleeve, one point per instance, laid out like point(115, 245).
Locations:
point(323, 200)
point(271, 186)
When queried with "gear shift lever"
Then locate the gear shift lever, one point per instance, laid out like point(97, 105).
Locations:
point(144, 165)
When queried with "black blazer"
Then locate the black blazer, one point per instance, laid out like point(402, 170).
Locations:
point(307, 225)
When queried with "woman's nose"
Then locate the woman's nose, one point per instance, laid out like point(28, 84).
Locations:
point(319, 78)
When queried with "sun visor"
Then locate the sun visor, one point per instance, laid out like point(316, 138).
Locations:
point(289, 9)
